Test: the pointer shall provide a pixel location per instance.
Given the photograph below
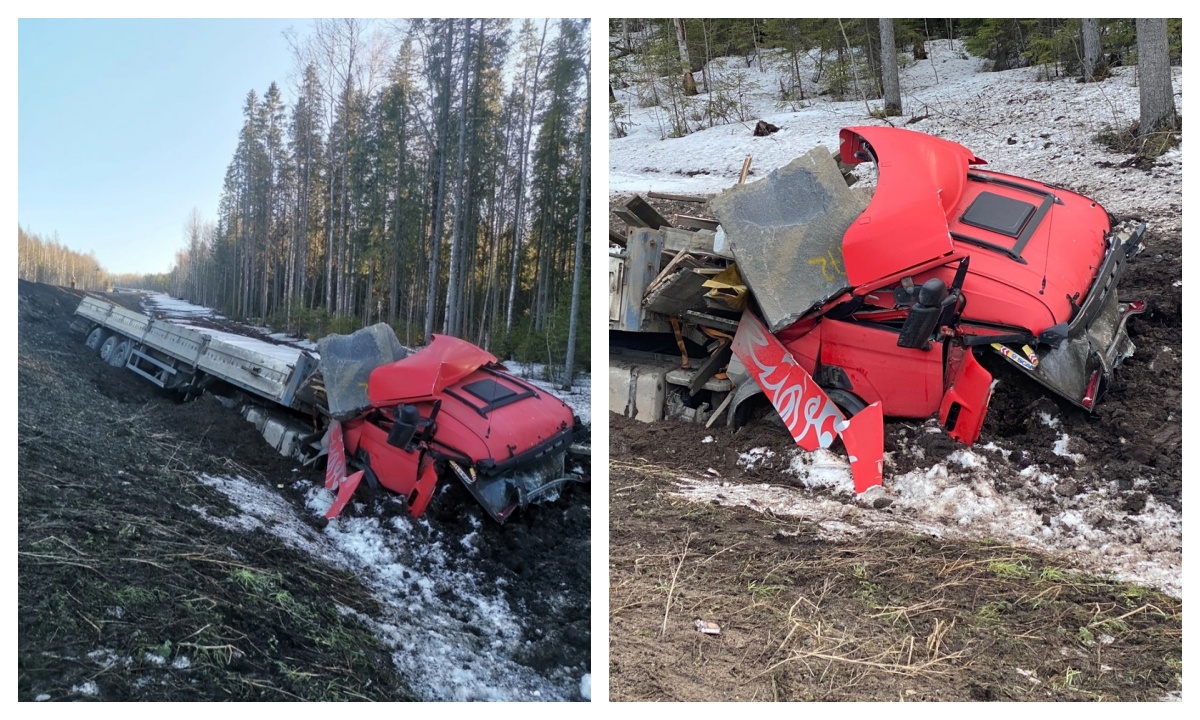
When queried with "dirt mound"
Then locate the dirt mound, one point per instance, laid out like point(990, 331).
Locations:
point(135, 584)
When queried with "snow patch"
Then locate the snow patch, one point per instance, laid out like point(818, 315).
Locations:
point(754, 456)
point(450, 626)
point(823, 469)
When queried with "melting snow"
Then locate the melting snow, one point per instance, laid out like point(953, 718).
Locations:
point(448, 622)
point(960, 499)
point(754, 456)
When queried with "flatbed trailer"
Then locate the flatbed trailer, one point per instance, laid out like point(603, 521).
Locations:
point(177, 357)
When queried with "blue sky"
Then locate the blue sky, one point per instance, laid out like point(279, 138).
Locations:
point(124, 126)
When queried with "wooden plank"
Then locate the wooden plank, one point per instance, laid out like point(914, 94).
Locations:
point(682, 290)
point(649, 216)
point(709, 367)
point(678, 198)
point(627, 217)
point(616, 238)
point(745, 171)
point(692, 222)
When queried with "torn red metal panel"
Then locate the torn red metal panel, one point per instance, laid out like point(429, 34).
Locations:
point(346, 489)
point(335, 470)
point(967, 395)
point(863, 437)
point(335, 464)
point(920, 179)
point(810, 415)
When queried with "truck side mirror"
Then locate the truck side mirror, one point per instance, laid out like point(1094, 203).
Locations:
point(405, 427)
point(923, 316)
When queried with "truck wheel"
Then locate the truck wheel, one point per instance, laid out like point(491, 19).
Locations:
point(96, 338)
point(109, 347)
point(846, 401)
point(121, 353)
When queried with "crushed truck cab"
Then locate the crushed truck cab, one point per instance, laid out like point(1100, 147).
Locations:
point(448, 409)
point(890, 297)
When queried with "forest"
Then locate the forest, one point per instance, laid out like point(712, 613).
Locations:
point(666, 62)
point(431, 174)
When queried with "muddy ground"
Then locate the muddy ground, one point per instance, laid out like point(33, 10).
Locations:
point(127, 592)
point(891, 615)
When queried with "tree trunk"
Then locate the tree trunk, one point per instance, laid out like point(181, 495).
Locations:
point(453, 284)
point(580, 221)
point(689, 83)
point(891, 71)
point(439, 201)
point(1091, 48)
point(526, 132)
point(1154, 78)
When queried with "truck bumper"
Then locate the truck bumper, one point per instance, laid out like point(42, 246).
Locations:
point(1081, 366)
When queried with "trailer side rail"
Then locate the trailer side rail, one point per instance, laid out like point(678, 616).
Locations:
point(268, 377)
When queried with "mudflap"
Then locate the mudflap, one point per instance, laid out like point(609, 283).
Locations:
point(335, 471)
point(968, 391)
point(809, 414)
point(863, 437)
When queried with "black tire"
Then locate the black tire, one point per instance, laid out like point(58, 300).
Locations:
point(96, 338)
point(846, 401)
point(109, 347)
point(121, 353)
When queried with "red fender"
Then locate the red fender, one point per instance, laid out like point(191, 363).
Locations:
point(335, 471)
point(863, 436)
point(810, 416)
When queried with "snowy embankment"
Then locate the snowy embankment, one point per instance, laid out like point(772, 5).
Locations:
point(451, 631)
point(1020, 125)
point(959, 497)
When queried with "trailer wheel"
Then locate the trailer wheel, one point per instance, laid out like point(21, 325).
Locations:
point(121, 353)
point(95, 339)
point(109, 348)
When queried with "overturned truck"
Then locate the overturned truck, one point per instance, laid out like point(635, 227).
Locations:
point(841, 304)
point(384, 416)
